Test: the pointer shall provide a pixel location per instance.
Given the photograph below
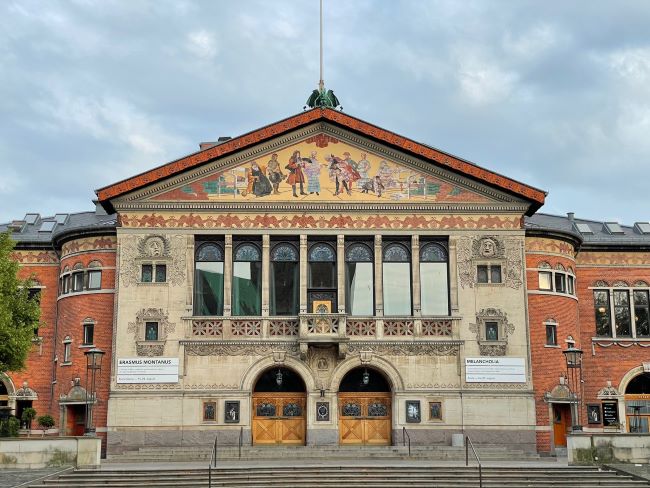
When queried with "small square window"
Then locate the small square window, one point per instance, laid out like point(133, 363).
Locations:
point(482, 273)
point(161, 273)
point(89, 330)
point(491, 331)
point(495, 273)
point(151, 331)
point(545, 281)
point(147, 273)
point(551, 335)
point(94, 280)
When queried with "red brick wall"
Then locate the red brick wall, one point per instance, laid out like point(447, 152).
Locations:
point(74, 308)
point(548, 363)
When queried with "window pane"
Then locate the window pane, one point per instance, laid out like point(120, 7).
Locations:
point(284, 290)
point(322, 275)
point(601, 302)
point(209, 252)
point(66, 352)
point(359, 288)
point(77, 281)
point(88, 333)
point(433, 252)
point(208, 292)
point(622, 313)
point(434, 292)
point(545, 280)
point(147, 273)
point(151, 331)
point(161, 273)
point(495, 274)
point(551, 339)
point(397, 288)
point(321, 252)
point(94, 280)
point(570, 282)
point(246, 288)
point(396, 253)
point(482, 273)
point(641, 313)
point(491, 331)
point(560, 282)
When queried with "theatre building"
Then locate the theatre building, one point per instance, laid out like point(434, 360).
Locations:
point(322, 281)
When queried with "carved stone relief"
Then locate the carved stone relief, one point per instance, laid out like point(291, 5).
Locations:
point(322, 361)
point(487, 346)
point(405, 348)
point(236, 348)
point(469, 250)
point(156, 249)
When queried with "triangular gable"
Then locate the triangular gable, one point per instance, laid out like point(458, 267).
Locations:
point(330, 170)
point(534, 196)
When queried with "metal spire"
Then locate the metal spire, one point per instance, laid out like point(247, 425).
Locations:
point(322, 97)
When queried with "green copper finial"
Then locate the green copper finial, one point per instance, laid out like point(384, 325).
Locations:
point(323, 98)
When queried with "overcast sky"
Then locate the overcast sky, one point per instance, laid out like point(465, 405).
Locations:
point(555, 94)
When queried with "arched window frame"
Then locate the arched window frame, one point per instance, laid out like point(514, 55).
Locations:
point(357, 253)
point(433, 253)
point(203, 289)
point(322, 262)
point(285, 256)
point(239, 256)
point(394, 252)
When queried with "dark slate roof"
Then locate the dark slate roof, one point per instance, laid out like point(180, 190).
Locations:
point(27, 233)
point(599, 236)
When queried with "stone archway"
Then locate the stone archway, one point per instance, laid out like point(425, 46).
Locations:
point(7, 396)
point(637, 403)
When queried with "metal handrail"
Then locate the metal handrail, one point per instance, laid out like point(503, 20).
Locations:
point(241, 439)
point(468, 444)
point(213, 460)
point(406, 435)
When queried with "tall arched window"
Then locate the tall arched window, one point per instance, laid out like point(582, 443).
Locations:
point(285, 280)
point(322, 279)
point(247, 280)
point(359, 280)
point(434, 282)
point(208, 279)
point(397, 279)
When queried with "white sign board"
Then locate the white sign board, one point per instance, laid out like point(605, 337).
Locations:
point(495, 370)
point(147, 370)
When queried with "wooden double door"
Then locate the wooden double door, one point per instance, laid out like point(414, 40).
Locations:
point(365, 418)
point(279, 418)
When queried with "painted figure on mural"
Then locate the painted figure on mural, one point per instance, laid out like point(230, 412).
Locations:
point(337, 175)
point(363, 166)
point(312, 170)
point(296, 175)
point(275, 173)
point(386, 175)
point(374, 185)
point(258, 184)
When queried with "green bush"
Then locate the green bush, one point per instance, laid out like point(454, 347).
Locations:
point(28, 415)
point(45, 422)
point(9, 427)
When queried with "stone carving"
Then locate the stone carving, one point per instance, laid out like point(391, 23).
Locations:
point(437, 327)
point(215, 386)
point(207, 327)
point(398, 327)
point(507, 251)
point(236, 348)
point(497, 386)
point(450, 386)
point(155, 248)
point(321, 361)
point(608, 392)
point(147, 386)
point(447, 348)
point(149, 350)
point(24, 393)
point(137, 328)
point(283, 327)
point(492, 347)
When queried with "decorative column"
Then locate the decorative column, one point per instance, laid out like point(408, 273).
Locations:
point(266, 273)
point(303, 273)
point(379, 283)
point(453, 276)
point(189, 260)
point(227, 276)
point(340, 272)
point(415, 274)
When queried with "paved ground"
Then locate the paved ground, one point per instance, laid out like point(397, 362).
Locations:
point(641, 470)
point(10, 478)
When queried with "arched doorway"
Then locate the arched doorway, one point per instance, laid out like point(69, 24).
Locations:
point(365, 402)
point(637, 403)
point(4, 395)
point(278, 411)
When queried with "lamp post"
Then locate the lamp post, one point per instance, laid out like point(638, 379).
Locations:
point(93, 364)
point(573, 358)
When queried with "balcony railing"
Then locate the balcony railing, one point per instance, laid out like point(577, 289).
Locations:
point(321, 328)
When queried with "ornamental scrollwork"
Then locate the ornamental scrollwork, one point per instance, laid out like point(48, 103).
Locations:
point(158, 315)
point(495, 345)
point(239, 348)
point(162, 249)
point(470, 250)
point(405, 348)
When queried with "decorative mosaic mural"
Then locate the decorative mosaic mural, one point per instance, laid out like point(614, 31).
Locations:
point(318, 170)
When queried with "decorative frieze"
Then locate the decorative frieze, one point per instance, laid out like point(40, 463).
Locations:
point(282, 327)
point(361, 327)
point(239, 348)
point(212, 328)
point(437, 348)
point(246, 327)
point(436, 327)
point(398, 327)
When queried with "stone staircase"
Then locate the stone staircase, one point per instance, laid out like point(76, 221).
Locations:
point(349, 476)
point(434, 453)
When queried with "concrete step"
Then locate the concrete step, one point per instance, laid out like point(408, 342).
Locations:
point(350, 477)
